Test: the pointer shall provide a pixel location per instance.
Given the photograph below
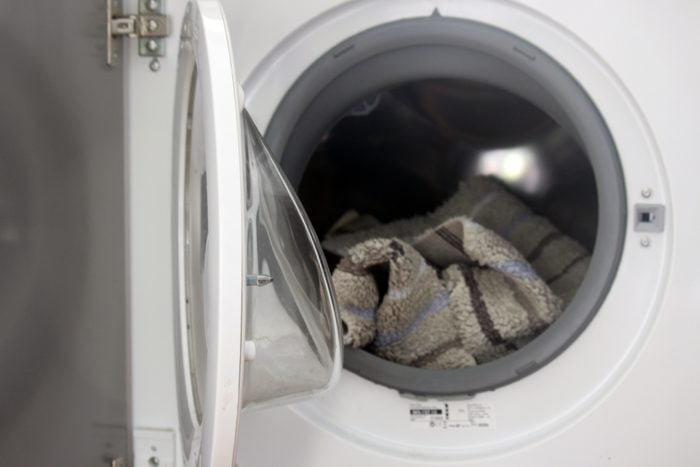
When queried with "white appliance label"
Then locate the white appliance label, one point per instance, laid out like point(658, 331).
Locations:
point(450, 415)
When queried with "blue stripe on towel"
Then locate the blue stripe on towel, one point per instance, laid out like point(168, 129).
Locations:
point(438, 303)
point(516, 268)
point(366, 313)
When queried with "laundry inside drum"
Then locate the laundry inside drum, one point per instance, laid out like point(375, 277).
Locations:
point(457, 218)
point(484, 181)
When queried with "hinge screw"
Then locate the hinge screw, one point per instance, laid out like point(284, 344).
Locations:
point(154, 460)
point(152, 45)
point(152, 25)
point(646, 192)
point(645, 242)
point(152, 5)
point(154, 65)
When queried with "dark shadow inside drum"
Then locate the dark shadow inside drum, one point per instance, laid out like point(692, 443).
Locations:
point(390, 121)
point(402, 152)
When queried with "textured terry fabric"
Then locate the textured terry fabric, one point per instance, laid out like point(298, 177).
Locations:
point(457, 295)
point(558, 259)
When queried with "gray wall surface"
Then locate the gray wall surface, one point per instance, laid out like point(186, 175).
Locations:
point(63, 321)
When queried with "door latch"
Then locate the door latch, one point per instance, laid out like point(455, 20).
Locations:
point(150, 27)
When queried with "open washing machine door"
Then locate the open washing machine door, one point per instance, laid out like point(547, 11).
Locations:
point(255, 318)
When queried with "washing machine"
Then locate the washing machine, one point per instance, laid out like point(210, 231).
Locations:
point(585, 110)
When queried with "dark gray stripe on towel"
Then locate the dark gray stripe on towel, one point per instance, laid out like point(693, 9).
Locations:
point(542, 244)
point(573, 263)
point(480, 308)
point(456, 243)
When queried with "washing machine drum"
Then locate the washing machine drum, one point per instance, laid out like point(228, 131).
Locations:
point(392, 121)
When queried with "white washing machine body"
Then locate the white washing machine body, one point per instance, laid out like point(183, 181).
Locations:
point(623, 393)
point(617, 395)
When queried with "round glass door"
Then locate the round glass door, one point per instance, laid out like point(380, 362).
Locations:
point(292, 330)
point(242, 242)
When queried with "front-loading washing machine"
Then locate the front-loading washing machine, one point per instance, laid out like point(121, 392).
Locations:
point(584, 111)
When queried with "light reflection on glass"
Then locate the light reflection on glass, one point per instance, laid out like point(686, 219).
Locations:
point(517, 167)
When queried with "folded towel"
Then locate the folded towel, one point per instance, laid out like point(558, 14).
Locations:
point(457, 295)
point(558, 259)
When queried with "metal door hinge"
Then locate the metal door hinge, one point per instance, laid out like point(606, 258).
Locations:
point(150, 27)
point(154, 447)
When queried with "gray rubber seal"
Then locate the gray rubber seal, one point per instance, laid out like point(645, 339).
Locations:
point(437, 47)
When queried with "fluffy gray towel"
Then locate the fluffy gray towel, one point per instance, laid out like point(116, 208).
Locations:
point(457, 295)
point(558, 259)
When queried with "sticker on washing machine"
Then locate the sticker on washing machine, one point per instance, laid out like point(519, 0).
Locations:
point(450, 415)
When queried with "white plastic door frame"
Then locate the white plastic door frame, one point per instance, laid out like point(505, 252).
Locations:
point(205, 58)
